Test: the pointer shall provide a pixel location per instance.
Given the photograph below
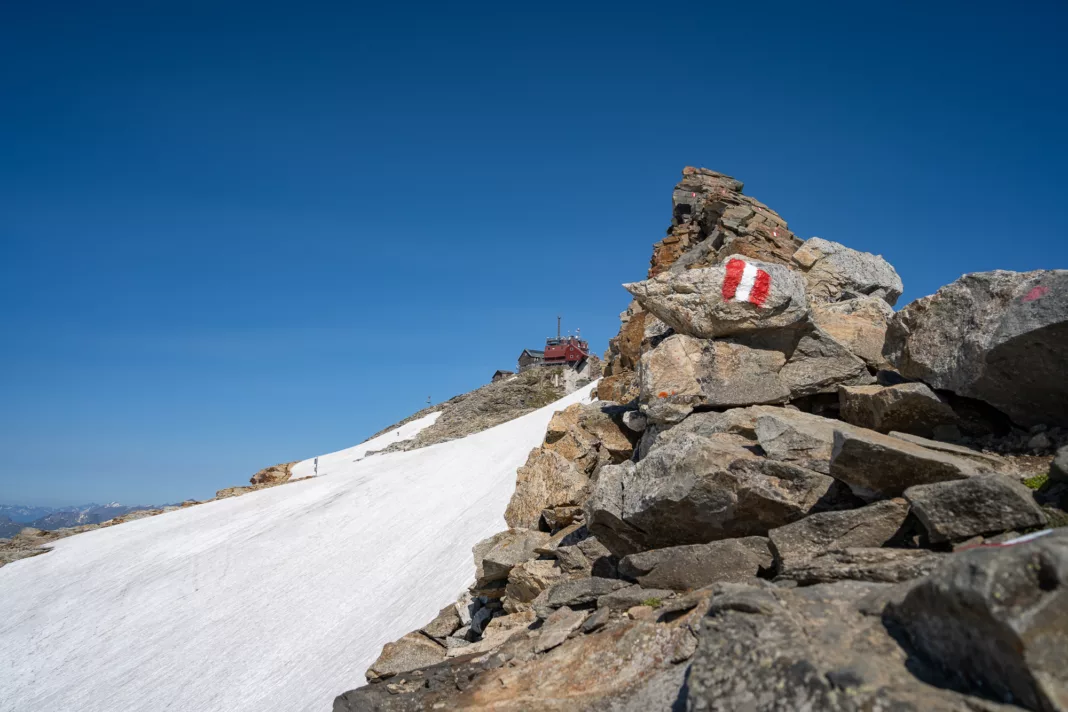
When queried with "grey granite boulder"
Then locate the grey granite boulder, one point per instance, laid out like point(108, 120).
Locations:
point(823, 648)
point(1000, 337)
point(871, 526)
point(876, 565)
point(574, 593)
point(834, 272)
point(984, 505)
point(877, 466)
point(703, 303)
point(684, 568)
point(905, 407)
point(995, 619)
point(694, 490)
point(683, 373)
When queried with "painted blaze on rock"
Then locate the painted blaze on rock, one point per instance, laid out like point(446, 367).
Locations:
point(746, 283)
point(736, 297)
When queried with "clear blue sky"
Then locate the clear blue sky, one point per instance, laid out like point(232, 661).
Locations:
point(236, 234)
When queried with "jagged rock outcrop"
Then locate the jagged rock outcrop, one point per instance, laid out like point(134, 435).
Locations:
point(1000, 337)
point(995, 620)
point(858, 324)
point(757, 522)
point(837, 273)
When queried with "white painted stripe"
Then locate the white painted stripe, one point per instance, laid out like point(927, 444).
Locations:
point(749, 275)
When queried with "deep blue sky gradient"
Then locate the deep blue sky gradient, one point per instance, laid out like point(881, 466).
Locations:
point(235, 234)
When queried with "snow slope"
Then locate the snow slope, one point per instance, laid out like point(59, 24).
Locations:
point(339, 461)
point(275, 600)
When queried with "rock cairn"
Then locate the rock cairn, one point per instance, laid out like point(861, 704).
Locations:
point(787, 496)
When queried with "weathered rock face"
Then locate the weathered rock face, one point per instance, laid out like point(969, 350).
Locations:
point(989, 504)
point(725, 299)
point(875, 565)
point(414, 650)
point(692, 490)
point(1058, 471)
point(711, 219)
point(802, 439)
point(872, 526)
point(996, 619)
point(548, 479)
point(817, 648)
point(906, 407)
point(1001, 337)
point(836, 273)
point(877, 466)
point(683, 372)
point(684, 568)
point(858, 324)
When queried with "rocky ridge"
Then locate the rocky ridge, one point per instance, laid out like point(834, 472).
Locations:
point(798, 500)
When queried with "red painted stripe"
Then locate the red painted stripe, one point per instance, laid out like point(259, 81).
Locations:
point(732, 279)
point(760, 289)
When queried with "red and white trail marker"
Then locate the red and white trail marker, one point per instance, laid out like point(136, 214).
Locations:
point(745, 283)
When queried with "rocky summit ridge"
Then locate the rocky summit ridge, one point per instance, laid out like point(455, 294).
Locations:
point(787, 497)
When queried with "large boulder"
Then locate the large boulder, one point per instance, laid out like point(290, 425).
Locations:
point(693, 490)
point(548, 479)
point(712, 219)
point(871, 526)
point(905, 407)
point(995, 620)
point(858, 324)
point(414, 650)
point(683, 372)
point(1000, 337)
point(802, 439)
point(821, 647)
point(684, 568)
point(835, 272)
point(989, 504)
point(877, 466)
point(526, 581)
point(736, 297)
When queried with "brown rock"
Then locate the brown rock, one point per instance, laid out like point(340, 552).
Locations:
point(858, 324)
point(546, 480)
point(413, 651)
point(273, 475)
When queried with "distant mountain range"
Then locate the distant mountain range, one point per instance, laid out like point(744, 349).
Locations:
point(14, 517)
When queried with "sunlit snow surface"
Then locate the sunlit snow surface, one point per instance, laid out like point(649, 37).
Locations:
point(275, 600)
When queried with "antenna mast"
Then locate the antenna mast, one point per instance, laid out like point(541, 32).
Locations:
point(557, 326)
